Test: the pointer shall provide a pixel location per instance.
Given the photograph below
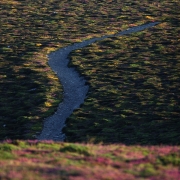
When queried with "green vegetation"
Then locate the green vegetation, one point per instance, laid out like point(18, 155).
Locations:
point(133, 79)
point(134, 86)
point(49, 160)
point(29, 90)
point(170, 159)
point(133, 98)
point(75, 148)
point(30, 30)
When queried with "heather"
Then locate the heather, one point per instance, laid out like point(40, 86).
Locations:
point(128, 126)
point(49, 160)
point(133, 79)
point(134, 86)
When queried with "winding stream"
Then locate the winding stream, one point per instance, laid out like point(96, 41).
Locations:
point(74, 86)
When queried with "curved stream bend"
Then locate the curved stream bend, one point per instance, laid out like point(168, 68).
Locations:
point(74, 86)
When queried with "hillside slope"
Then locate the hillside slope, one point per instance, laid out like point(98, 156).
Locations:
point(133, 98)
point(30, 91)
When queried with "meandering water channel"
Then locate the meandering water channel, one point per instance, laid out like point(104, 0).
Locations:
point(74, 86)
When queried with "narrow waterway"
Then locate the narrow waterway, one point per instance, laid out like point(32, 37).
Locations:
point(74, 86)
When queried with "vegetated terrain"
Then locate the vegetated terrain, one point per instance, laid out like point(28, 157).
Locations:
point(29, 90)
point(134, 84)
point(21, 160)
point(133, 79)
point(133, 97)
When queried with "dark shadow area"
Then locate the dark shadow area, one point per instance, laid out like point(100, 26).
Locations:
point(21, 91)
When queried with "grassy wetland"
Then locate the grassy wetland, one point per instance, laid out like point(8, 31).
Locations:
point(133, 97)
